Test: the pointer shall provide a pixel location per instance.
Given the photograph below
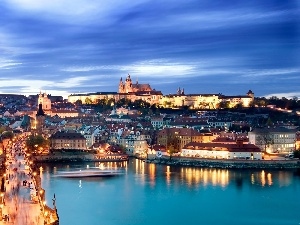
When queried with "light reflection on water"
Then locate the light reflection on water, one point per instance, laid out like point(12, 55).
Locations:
point(194, 192)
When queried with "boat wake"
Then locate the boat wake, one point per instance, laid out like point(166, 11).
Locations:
point(89, 173)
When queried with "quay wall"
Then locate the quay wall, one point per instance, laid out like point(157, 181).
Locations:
point(79, 158)
point(226, 163)
point(51, 216)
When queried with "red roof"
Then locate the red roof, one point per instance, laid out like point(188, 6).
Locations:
point(159, 148)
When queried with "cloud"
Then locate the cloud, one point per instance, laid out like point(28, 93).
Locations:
point(70, 11)
point(156, 68)
point(288, 95)
point(84, 68)
point(270, 72)
point(8, 64)
point(208, 46)
point(35, 85)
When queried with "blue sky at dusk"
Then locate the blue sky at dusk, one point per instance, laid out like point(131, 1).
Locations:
point(203, 46)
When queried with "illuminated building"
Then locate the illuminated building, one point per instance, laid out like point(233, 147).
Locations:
point(67, 140)
point(136, 91)
point(273, 139)
point(239, 150)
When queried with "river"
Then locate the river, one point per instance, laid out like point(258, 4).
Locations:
point(159, 194)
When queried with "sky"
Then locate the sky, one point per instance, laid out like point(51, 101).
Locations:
point(63, 47)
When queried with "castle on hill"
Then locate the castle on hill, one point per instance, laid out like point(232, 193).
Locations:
point(129, 87)
point(136, 91)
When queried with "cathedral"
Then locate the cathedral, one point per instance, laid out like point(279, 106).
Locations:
point(129, 87)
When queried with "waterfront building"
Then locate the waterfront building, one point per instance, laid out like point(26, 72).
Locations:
point(298, 140)
point(274, 139)
point(181, 136)
point(238, 150)
point(67, 140)
point(133, 142)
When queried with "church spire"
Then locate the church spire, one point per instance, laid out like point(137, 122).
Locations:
point(40, 111)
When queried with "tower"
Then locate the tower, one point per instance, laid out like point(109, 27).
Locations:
point(179, 91)
point(128, 84)
point(40, 120)
point(121, 86)
point(250, 94)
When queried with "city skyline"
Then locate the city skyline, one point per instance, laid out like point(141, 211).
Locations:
point(64, 47)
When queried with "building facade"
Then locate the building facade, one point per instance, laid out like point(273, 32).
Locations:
point(65, 140)
point(45, 101)
point(181, 136)
point(274, 139)
point(237, 150)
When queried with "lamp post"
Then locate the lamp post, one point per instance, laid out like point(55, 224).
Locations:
point(35, 148)
point(1, 208)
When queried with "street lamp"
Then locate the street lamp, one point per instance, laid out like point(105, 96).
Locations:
point(1, 207)
point(2, 198)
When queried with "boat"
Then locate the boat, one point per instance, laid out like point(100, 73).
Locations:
point(89, 173)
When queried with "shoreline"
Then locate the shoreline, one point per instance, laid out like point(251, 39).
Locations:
point(176, 161)
point(227, 164)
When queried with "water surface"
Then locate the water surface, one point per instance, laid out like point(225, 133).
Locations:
point(158, 194)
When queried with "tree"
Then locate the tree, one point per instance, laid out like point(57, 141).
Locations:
point(110, 102)
point(224, 105)
point(297, 154)
point(88, 101)
point(141, 104)
point(269, 122)
point(102, 102)
point(78, 102)
point(167, 104)
point(2, 129)
point(37, 144)
point(172, 146)
point(123, 102)
point(265, 139)
point(203, 105)
point(7, 134)
point(239, 105)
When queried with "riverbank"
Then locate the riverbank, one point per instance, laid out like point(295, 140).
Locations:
point(83, 157)
point(226, 163)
